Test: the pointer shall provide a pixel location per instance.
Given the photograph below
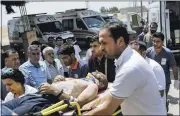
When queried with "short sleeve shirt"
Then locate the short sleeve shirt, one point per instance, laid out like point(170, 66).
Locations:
point(159, 73)
point(34, 76)
point(165, 58)
point(135, 83)
point(79, 70)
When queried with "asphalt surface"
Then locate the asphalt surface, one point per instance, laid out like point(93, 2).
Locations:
point(173, 96)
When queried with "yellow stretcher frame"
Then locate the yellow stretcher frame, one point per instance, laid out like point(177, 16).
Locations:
point(61, 106)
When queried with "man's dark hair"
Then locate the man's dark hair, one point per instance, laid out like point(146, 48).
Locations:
point(58, 38)
point(36, 43)
point(158, 35)
point(93, 39)
point(117, 30)
point(66, 50)
point(154, 23)
point(9, 52)
point(14, 74)
point(142, 46)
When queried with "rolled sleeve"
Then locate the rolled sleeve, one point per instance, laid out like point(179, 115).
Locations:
point(126, 82)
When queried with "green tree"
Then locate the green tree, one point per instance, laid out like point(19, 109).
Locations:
point(109, 10)
point(103, 9)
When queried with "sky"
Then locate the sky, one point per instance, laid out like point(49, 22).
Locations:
point(52, 7)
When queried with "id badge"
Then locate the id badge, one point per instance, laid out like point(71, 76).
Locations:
point(163, 61)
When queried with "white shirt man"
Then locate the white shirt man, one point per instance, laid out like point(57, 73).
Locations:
point(133, 81)
point(140, 47)
point(160, 76)
point(135, 87)
point(54, 65)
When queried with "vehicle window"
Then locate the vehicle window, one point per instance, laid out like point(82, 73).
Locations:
point(80, 24)
point(94, 21)
point(55, 26)
point(111, 19)
point(68, 24)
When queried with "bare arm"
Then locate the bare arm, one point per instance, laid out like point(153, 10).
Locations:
point(175, 72)
point(108, 107)
point(88, 94)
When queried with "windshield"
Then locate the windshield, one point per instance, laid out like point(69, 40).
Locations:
point(95, 21)
point(111, 19)
point(50, 27)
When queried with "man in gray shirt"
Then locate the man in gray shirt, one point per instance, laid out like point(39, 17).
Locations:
point(165, 58)
point(148, 37)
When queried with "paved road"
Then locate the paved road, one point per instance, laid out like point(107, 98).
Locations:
point(173, 96)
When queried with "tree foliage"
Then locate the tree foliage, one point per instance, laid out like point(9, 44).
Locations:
point(109, 10)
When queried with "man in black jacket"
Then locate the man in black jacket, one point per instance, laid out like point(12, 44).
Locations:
point(99, 62)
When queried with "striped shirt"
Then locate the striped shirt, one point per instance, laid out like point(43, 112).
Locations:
point(55, 69)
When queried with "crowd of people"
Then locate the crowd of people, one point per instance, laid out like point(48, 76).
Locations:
point(138, 69)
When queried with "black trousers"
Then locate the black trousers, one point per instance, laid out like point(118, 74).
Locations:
point(167, 91)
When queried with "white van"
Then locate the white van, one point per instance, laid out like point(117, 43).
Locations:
point(45, 26)
point(82, 23)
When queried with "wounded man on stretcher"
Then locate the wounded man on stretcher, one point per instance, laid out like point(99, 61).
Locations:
point(81, 91)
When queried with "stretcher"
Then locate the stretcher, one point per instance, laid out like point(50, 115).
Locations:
point(73, 108)
point(62, 105)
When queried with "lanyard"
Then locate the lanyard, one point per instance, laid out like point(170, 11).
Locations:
point(106, 67)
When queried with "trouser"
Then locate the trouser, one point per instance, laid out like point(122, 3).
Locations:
point(167, 90)
point(6, 111)
point(30, 103)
